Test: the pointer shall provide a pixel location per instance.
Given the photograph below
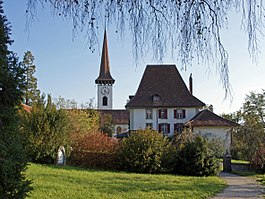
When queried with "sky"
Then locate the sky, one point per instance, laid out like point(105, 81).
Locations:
point(65, 67)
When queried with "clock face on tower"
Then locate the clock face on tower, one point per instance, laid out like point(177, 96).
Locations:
point(105, 91)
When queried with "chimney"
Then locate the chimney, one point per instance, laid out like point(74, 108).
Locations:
point(131, 96)
point(190, 81)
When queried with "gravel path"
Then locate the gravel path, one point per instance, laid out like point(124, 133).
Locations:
point(240, 187)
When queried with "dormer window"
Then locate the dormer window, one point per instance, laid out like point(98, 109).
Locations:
point(156, 98)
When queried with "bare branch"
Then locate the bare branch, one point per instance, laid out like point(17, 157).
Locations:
point(190, 27)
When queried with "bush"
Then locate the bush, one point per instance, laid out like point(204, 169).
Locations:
point(13, 159)
point(146, 151)
point(44, 130)
point(195, 158)
point(258, 159)
point(94, 149)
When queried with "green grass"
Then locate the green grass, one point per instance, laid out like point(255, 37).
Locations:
point(240, 161)
point(71, 182)
point(261, 178)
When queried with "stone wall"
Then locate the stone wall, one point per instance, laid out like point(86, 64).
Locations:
point(241, 167)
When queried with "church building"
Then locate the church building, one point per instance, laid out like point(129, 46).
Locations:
point(162, 102)
point(120, 118)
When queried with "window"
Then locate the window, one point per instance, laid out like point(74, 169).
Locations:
point(105, 101)
point(179, 114)
point(162, 113)
point(156, 98)
point(178, 127)
point(118, 130)
point(149, 125)
point(164, 128)
point(149, 114)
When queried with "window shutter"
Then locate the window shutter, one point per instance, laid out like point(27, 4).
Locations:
point(184, 113)
point(175, 127)
point(165, 114)
point(175, 113)
point(168, 128)
point(159, 113)
point(159, 128)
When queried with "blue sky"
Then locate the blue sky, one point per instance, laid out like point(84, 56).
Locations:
point(67, 68)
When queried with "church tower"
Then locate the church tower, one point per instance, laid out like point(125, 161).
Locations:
point(104, 80)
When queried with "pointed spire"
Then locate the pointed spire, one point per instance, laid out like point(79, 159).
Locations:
point(104, 72)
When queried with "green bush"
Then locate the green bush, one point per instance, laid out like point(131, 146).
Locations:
point(258, 159)
point(44, 130)
point(94, 149)
point(195, 158)
point(146, 151)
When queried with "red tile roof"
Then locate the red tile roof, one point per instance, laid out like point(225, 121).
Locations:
point(162, 86)
point(208, 118)
point(117, 116)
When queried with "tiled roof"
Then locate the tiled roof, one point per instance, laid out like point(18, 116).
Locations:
point(208, 118)
point(162, 86)
point(104, 72)
point(117, 116)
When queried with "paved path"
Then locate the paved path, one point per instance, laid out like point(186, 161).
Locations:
point(240, 187)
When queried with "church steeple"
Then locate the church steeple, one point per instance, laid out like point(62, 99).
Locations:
point(105, 81)
point(104, 72)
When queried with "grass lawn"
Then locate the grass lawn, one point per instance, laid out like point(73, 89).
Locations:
point(70, 182)
point(240, 161)
point(261, 178)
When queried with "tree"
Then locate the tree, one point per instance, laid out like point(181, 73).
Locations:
point(107, 124)
point(44, 130)
point(81, 121)
point(252, 129)
point(31, 91)
point(13, 160)
point(249, 138)
point(190, 28)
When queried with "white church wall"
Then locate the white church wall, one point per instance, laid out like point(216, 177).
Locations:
point(105, 90)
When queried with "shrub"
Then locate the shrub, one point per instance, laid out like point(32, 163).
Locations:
point(94, 149)
point(146, 151)
point(258, 159)
point(195, 158)
point(13, 159)
point(44, 130)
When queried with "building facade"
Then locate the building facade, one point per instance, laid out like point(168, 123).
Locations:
point(162, 101)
